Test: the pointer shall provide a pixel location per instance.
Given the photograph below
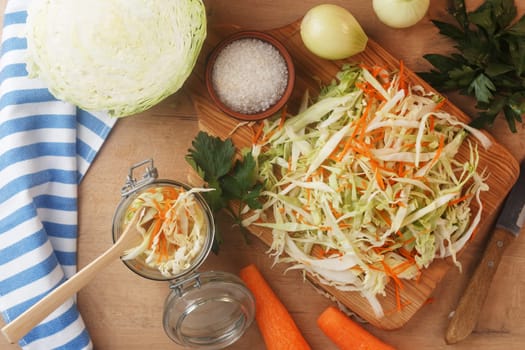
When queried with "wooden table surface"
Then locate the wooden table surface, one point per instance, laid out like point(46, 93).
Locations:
point(124, 311)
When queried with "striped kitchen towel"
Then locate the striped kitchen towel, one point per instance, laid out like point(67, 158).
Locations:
point(46, 147)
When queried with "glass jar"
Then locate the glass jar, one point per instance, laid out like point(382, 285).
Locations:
point(205, 310)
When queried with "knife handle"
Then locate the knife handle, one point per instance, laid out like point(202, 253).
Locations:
point(466, 315)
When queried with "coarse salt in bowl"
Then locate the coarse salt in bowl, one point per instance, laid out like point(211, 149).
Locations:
point(250, 75)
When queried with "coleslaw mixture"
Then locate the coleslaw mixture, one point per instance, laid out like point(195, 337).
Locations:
point(173, 226)
point(366, 184)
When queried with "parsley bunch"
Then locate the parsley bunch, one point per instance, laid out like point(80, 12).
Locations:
point(233, 179)
point(490, 64)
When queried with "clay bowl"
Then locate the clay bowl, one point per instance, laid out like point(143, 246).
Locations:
point(277, 105)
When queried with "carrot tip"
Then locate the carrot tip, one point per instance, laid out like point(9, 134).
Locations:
point(346, 333)
point(276, 325)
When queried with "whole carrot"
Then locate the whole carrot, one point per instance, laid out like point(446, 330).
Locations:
point(347, 334)
point(276, 325)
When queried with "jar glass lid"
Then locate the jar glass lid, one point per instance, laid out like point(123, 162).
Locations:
point(208, 310)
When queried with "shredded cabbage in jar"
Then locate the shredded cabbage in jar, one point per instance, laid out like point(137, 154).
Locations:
point(366, 185)
point(173, 226)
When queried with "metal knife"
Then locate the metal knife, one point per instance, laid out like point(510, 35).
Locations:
point(508, 226)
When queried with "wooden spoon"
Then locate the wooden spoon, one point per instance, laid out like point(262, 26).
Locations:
point(21, 325)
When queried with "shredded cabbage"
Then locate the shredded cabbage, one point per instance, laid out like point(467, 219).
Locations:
point(173, 227)
point(366, 186)
point(119, 56)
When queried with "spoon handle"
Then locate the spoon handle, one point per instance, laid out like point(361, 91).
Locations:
point(21, 325)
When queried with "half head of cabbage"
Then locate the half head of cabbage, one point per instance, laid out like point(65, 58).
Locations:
point(118, 56)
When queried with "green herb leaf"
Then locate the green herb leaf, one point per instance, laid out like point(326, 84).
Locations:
point(243, 181)
point(490, 62)
point(233, 180)
point(482, 17)
point(442, 62)
point(511, 117)
point(496, 68)
point(517, 102)
point(517, 54)
point(245, 171)
point(252, 197)
point(504, 12)
point(459, 11)
point(490, 112)
point(434, 78)
point(215, 199)
point(463, 76)
point(518, 28)
point(449, 30)
point(482, 87)
point(211, 156)
point(476, 47)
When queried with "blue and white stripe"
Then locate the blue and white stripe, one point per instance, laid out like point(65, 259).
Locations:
point(46, 147)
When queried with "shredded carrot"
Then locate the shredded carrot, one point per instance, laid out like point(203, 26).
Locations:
point(405, 253)
point(384, 216)
point(268, 135)
point(157, 206)
point(348, 334)
point(308, 194)
point(418, 276)
point(257, 132)
point(395, 310)
point(376, 70)
point(359, 128)
point(403, 266)
point(439, 150)
point(392, 274)
point(344, 225)
point(401, 75)
point(459, 200)
point(398, 285)
point(367, 88)
point(171, 194)
point(474, 233)
point(276, 325)
point(431, 123)
point(378, 135)
point(365, 66)
point(162, 248)
point(334, 211)
point(398, 297)
point(379, 179)
point(284, 112)
point(440, 104)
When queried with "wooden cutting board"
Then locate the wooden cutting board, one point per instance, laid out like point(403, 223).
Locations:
point(310, 71)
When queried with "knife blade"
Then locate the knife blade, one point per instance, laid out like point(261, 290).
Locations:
point(508, 226)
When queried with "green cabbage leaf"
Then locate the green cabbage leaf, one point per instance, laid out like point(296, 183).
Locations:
point(117, 56)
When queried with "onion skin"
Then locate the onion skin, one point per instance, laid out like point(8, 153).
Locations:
point(332, 32)
point(400, 13)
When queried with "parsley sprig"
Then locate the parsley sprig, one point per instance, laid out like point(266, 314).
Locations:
point(490, 62)
point(234, 179)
